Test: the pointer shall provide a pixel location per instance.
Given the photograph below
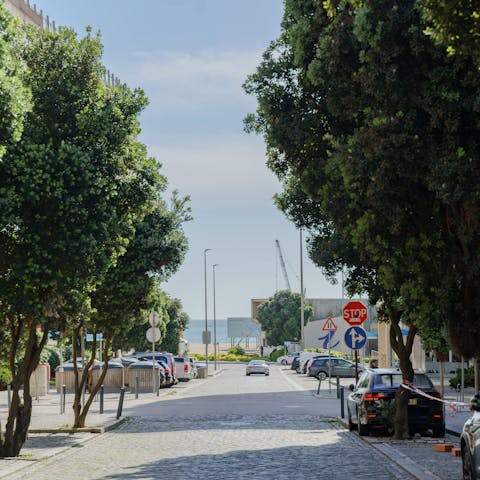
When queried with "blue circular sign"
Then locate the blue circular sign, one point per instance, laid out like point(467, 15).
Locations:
point(355, 337)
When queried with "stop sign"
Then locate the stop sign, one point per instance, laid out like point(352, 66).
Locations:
point(355, 313)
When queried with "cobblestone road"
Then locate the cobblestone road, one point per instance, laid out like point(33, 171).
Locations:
point(235, 447)
point(233, 427)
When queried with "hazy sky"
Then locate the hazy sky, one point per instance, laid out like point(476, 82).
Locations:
point(191, 58)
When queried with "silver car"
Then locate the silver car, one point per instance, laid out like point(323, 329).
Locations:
point(257, 366)
point(470, 442)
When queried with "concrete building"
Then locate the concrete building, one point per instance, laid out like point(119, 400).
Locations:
point(26, 12)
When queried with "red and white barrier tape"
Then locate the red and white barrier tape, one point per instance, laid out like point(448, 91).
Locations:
point(452, 405)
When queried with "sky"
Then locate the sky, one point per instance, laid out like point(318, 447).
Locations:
point(191, 58)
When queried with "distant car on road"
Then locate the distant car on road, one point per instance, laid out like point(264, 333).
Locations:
point(470, 442)
point(257, 366)
point(369, 404)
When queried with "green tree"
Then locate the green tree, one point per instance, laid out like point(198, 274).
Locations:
point(178, 321)
point(73, 187)
point(455, 23)
point(280, 317)
point(14, 94)
point(129, 288)
point(357, 106)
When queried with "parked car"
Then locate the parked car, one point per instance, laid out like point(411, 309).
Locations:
point(306, 364)
point(369, 405)
point(165, 357)
point(322, 367)
point(470, 442)
point(257, 366)
point(295, 363)
point(194, 366)
point(183, 369)
point(287, 359)
point(169, 378)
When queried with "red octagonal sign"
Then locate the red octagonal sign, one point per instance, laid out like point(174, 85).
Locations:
point(355, 313)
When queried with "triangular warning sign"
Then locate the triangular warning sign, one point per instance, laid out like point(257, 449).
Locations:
point(329, 325)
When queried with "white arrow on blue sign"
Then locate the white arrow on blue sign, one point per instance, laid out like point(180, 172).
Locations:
point(355, 337)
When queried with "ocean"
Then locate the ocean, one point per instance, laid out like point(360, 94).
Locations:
point(195, 328)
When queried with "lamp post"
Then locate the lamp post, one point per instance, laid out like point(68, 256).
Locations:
point(302, 295)
point(206, 318)
point(214, 321)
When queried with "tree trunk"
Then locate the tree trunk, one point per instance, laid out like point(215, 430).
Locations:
point(80, 414)
point(20, 413)
point(403, 351)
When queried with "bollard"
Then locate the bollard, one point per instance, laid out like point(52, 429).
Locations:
point(319, 385)
point(137, 383)
point(120, 402)
point(64, 395)
point(338, 387)
point(157, 386)
point(102, 390)
point(342, 406)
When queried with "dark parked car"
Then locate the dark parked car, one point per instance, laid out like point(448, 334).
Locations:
point(337, 367)
point(370, 406)
point(295, 363)
point(470, 442)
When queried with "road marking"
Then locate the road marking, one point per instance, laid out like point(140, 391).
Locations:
point(290, 381)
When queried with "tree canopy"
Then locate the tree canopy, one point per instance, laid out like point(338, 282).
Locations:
point(74, 188)
point(280, 317)
point(373, 129)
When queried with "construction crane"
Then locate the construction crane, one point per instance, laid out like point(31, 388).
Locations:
point(282, 263)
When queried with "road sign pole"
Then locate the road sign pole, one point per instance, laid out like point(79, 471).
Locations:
point(329, 363)
point(153, 366)
point(356, 366)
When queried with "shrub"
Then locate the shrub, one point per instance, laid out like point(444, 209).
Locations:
point(5, 376)
point(237, 351)
point(275, 354)
point(469, 378)
point(51, 356)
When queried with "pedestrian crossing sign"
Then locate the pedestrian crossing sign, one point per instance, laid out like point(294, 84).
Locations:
point(329, 325)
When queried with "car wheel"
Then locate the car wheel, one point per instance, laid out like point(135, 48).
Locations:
point(438, 431)
point(362, 429)
point(297, 369)
point(284, 362)
point(467, 465)
point(322, 375)
point(267, 374)
point(248, 374)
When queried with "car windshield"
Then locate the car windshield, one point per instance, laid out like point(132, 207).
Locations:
point(257, 362)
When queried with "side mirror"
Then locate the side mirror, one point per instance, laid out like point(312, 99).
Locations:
point(351, 387)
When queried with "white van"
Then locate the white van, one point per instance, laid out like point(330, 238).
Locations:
point(183, 369)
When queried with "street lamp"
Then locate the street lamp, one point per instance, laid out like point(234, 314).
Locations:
point(302, 295)
point(214, 321)
point(206, 318)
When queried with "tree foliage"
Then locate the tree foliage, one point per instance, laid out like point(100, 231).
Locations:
point(280, 317)
point(73, 188)
point(373, 129)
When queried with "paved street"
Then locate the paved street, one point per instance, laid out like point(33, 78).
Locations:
point(233, 427)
